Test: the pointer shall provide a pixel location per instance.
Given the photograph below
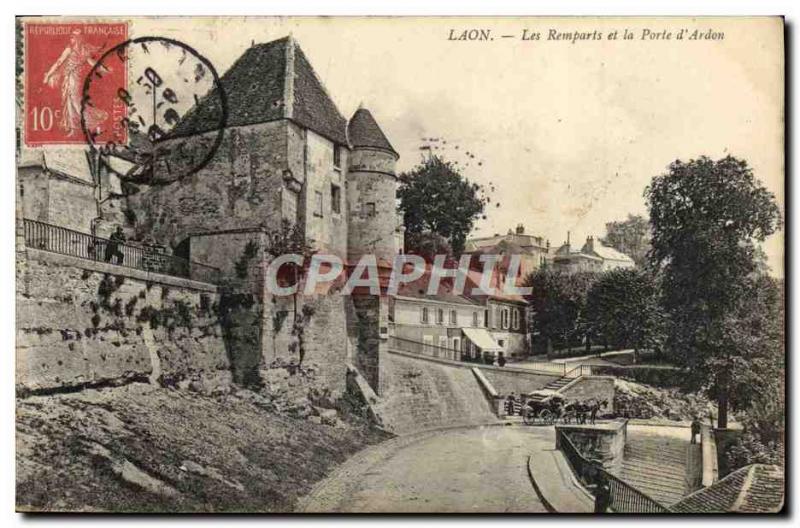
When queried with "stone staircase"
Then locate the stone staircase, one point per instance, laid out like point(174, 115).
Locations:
point(555, 385)
point(659, 466)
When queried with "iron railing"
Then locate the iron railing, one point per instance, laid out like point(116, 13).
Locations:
point(624, 498)
point(57, 239)
point(423, 349)
point(577, 372)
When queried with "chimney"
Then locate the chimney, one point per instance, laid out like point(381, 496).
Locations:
point(520, 229)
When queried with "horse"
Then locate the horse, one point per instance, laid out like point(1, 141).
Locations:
point(593, 407)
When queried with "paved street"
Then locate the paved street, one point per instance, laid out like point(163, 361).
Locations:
point(463, 470)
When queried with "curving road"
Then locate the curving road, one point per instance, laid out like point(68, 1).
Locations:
point(482, 469)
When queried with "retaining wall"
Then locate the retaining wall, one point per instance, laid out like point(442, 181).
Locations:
point(83, 323)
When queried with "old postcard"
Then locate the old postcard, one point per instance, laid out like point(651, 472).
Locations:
point(400, 265)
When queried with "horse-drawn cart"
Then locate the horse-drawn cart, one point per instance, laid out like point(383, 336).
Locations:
point(543, 406)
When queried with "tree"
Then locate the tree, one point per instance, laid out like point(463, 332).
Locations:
point(427, 245)
point(558, 305)
point(706, 218)
point(624, 306)
point(631, 236)
point(435, 197)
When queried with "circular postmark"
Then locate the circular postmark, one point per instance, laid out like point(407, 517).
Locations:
point(173, 115)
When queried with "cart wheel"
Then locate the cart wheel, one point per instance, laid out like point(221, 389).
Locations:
point(527, 416)
point(547, 416)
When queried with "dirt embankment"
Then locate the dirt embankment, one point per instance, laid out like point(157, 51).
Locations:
point(147, 449)
point(635, 400)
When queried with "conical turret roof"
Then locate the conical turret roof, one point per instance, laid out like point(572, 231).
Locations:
point(363, 131)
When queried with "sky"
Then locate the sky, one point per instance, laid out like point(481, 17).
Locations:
point(569, 134)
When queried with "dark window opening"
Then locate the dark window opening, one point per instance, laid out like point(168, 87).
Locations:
point(336, 197)
point(337, 157)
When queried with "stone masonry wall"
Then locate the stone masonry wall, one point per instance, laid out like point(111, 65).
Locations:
point(324, 365)
point(240, 187)
point(420, 394)
point(82, 323)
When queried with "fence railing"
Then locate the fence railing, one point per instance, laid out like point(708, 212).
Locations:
point(577, 372)
point(423, 349)
point(623, 498)
point(57, 239)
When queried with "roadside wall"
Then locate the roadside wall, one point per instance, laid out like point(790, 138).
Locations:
point(419, 394)
point(82, 323)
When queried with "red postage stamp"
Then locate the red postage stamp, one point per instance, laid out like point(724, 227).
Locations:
point(58, 57)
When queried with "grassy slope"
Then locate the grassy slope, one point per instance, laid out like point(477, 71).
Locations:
point(187, 452)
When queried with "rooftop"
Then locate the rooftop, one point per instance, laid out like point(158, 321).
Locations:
point(363, 131)
point(269, 81)
point(757, 488)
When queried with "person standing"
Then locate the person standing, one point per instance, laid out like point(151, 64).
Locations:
point(113, 249)
point(695, 429)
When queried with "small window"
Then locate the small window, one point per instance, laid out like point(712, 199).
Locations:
point(425, 317)
point(453, 317)
point(502, 343)
point(504, 316)
point(475, 321)
point(439, 316)
point(317, 203)
point(336, 199)
point(515, 319)
point(486, 318)
point(369, 209)
point(337, 157)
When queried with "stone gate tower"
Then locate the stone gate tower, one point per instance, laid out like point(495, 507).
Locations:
point(373, 229)
point(373, 224)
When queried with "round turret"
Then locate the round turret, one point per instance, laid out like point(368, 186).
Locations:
point(373, 226)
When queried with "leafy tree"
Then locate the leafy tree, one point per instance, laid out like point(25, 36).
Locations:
point(427, 245)
point(631, 236)
point(706, 218)
point(558, 305)
point(436, 198)
point(624, 306)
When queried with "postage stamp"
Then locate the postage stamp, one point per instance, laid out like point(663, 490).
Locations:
point(58, 57)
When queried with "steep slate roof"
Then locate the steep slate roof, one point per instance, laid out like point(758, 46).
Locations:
point(363, 131)
point(609, 253)
point(269, 81)
point(757, 488)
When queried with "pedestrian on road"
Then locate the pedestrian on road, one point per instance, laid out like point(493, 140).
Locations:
point(510, 404)
point(695, 428)
point(501, 359)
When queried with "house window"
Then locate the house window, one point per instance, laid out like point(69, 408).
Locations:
point(442, 346)
point(515, 319)
point(486, 318)
point(440, 316)
point(369, 209)
point(336, 199)
point(504, 316)
point(475, 321)
point(427, 344)
point(337, 157)
point(425, 317)
point(317, 203)
point(453, 317)
point(502, 343)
